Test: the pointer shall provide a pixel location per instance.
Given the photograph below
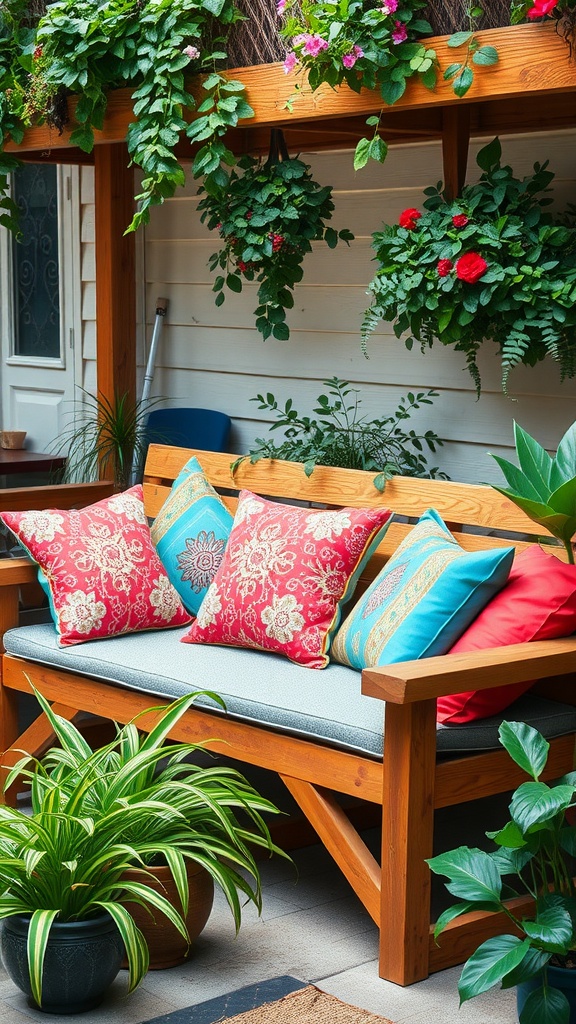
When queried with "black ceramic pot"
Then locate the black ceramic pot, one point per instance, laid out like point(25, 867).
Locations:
point(82, 960)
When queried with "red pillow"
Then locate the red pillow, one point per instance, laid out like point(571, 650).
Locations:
point(99, 568)
point(285, 573)
point(537, 603)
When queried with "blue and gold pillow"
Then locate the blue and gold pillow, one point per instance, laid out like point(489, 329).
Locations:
point(423, 599)
point(190, 534)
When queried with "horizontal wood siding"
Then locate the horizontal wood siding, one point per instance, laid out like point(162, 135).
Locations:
point(215, 358)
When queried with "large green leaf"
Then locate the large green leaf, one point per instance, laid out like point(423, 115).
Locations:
point(546, 1006)
point(534, 461)
point(532, 963)
point(535, 802)
point(552, 928)
point(558, 525)
point(38, 932)
point(563, 499)
point(491, 962)
point(516, 479)
point(565, 461)
point(509, 837)
point(525, 745)
point(473, 874)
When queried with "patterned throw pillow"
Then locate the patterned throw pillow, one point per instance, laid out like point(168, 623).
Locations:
point(190, 533)
point(99, 568)
point(284, 576)
point(422, 600)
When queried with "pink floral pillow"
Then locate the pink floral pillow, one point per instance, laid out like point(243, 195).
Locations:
point(99, 568)
point(284, 576)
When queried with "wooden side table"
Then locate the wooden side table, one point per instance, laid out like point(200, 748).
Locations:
point(20, 460)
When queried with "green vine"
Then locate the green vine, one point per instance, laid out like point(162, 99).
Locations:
point(89, 48)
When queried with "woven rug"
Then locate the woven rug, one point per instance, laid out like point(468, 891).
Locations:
point(283, 1000)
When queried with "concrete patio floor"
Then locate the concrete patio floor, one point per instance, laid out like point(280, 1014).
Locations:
point(312, 927)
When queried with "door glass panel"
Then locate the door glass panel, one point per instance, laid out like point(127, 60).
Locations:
point(35, 262)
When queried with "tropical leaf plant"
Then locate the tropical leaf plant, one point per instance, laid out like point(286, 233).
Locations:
point(132, 803)
point(533, 856)
point(544, 486)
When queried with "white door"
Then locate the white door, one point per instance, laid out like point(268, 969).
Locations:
point(40, 290)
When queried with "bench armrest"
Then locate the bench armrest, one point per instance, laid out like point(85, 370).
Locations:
point(427, 678)
point(20, 499)
point(16, 571)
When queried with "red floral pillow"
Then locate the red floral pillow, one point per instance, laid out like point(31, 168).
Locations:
point(537, 603)
point(284, 576)
point(99, 568)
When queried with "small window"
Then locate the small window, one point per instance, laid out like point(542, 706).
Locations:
point(35, 263)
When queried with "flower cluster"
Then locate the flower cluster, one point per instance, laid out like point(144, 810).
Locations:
point(267, 218)
point(533, 9)
point(491, 265)
point(363, 42)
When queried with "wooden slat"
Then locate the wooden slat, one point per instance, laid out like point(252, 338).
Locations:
point(471, 778)
point(67, 496)
point(410, 681)
point(407, 839)
point(325, 766)
point(534, 61)
point(115, 273)
point(473, 504)
point(461, 937)
point(341, 840)
point(14, 572)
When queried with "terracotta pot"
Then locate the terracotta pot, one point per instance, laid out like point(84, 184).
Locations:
point(167, 947)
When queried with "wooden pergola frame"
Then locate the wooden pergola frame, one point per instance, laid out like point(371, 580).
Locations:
point(532, 88)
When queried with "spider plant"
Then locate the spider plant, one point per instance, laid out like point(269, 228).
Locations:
point(107, 437)
point(128, 804)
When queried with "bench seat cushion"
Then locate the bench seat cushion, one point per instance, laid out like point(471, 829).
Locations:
point(264, 688)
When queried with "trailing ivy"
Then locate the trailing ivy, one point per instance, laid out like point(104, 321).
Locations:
point(88, 48)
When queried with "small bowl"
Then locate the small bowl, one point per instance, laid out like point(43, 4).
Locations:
point(12, 438)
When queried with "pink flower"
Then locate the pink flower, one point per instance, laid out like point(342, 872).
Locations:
point(471, 267)
point(349, 59)
point(444, 267)
point(389, 7)
point(400, 32)
point(290, 62)
point(408, 218)
point(191, 51)
point(314, 45)
point(460, 220)
point(541, 8)
point(280, 6)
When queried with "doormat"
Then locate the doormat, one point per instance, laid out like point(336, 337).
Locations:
point(283, 1000)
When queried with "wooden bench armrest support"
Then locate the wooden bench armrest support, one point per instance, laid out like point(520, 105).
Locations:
point(428, 678)
point(16, 571)
point(20, 499)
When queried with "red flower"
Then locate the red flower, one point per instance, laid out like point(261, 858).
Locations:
point(408, 218)
point(471, 267)
point(38, 51)
point(444, 267)
point(541, 8)
point(242, 266)
point(460, 220)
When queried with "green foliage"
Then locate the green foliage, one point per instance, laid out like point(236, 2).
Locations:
point(362, 45)
point(533, 853)
point(104, 438)
point(522, 289)
point(88, 48)
point(95, 814)
point(267, 218)
point(544, 487)
point(461, 73)
point(342, 437)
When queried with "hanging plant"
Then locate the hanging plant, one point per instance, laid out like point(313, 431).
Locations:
point(490, 265)
point(89, 48)
point(267, 217)
point(563, 12)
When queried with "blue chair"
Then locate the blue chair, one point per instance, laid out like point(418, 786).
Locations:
point(190, 428)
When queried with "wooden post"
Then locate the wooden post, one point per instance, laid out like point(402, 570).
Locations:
point(115, 272)
point(455, 143)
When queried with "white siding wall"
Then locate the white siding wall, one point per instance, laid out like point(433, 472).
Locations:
point(215, 358)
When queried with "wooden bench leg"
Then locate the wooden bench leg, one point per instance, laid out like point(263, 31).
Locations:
point(407, 839)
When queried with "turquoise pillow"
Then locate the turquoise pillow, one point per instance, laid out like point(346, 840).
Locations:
point(423, 599)
point(190, 534)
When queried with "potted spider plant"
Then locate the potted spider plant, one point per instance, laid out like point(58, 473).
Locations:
point(96, 817)
point(533, 856)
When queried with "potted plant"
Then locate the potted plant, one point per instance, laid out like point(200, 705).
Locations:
point(490, 265)
point(533, 856)
point(340, 436)
point(267, 218)
point(97, 815)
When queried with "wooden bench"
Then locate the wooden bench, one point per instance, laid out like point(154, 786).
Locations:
point(409, 783)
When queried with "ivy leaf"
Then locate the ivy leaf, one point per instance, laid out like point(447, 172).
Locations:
point(486, 56)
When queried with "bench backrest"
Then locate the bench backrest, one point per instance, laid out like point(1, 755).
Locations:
point(460, 505)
